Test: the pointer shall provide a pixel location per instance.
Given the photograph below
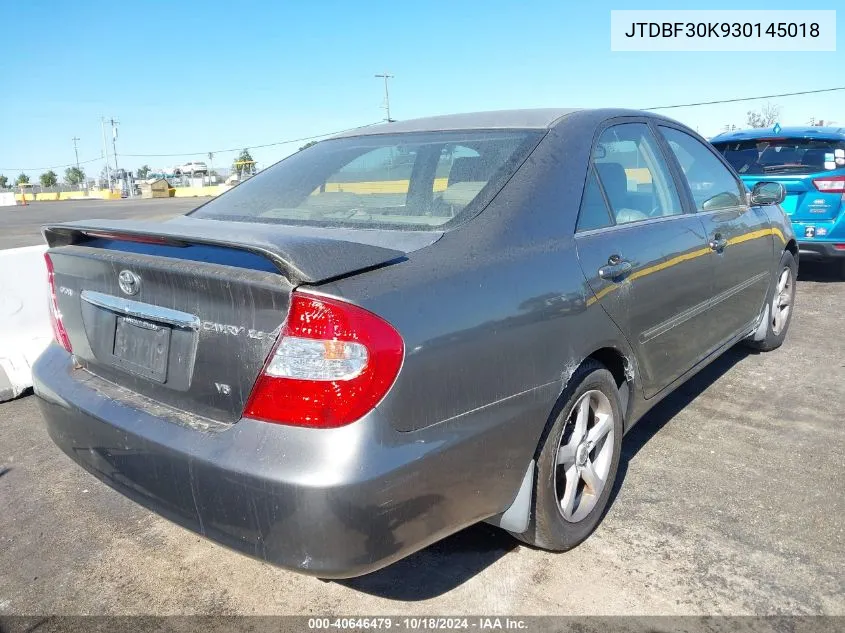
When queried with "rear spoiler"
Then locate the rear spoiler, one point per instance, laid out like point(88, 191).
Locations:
point(302, 254)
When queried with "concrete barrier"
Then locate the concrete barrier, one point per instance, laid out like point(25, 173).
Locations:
point(7, 199)
point(25, 329)
point(69, 195)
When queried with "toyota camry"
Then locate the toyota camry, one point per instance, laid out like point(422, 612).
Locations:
point(410, 328)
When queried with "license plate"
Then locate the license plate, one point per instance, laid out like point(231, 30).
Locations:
point(142, 347)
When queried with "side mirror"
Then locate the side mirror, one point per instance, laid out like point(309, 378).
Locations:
point(766, 193)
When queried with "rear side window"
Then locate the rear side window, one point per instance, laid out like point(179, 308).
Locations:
point(634, 175)
point(594, 213)
point(783, 155)
point(404, 181)
point(713, 186)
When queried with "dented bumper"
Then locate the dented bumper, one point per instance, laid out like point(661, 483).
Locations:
point(333, 503)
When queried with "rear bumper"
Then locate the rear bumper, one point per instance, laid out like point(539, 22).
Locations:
point(333, 503)
point(820, 250)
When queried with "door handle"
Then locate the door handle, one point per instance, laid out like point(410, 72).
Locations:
point(616, 268)
point(718, 243)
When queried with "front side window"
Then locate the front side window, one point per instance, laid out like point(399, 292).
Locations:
point(403, 181)
point(713, 186)
point(634, 175)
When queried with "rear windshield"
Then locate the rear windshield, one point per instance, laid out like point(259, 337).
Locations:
point(407, 181)
point(783, 155)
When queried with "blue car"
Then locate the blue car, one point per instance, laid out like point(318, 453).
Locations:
point(810, 163)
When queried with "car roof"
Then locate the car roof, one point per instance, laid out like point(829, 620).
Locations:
point(525, 119)
point(827, 133)
point(541, 118)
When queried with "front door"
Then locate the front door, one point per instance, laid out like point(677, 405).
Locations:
point(646, 260)
point(740, 236)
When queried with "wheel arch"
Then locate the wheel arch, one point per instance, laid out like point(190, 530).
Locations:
point(792, 247)
point(622, 369)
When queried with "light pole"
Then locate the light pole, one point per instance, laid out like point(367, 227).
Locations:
point(386, 76)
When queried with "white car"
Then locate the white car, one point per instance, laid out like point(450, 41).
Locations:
point(193, 168)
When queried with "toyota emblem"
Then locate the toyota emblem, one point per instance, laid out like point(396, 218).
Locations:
point(129, 282)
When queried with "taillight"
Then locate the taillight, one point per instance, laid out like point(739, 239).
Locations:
point(832, 184)
point(59, 331)
point(333, 362)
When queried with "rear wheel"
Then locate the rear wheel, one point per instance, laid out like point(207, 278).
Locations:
point(841, 268)
point(781, 300)
point(578, 462)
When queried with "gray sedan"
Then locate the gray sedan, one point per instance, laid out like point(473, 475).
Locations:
point(407, 329)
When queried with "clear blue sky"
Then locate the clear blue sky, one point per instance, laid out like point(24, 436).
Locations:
point(197, 76)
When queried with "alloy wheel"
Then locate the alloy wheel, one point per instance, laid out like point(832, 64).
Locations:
point(584, 455)
point(782, 301)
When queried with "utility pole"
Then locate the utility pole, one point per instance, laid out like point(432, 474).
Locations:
point(114, 125)
point(106, 150)
point(75, 140)
point(386, 106)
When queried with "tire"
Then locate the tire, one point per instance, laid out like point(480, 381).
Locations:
point(841, 268)
point(549, 528)
point(778, 300)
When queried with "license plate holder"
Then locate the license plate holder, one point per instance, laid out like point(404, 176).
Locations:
point(141, 347)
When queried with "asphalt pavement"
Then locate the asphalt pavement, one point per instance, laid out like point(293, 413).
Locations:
point(21, 225)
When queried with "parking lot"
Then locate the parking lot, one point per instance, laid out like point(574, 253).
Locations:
point(730, 502)
point(21, 225)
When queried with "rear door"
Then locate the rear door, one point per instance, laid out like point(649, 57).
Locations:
point(645, 258)
point(739, 236)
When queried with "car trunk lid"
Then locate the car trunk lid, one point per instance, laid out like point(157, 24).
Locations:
point(186, 312)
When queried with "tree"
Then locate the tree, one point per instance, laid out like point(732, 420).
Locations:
point(767, 116)
point(74, 176)
point(49, 178)
point(243, 164)
point(4, 182)
point(307, 145)
point(22, 179)
point(143, 172)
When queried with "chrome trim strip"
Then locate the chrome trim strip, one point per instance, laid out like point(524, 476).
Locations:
point(686, 315)
point(142, 310)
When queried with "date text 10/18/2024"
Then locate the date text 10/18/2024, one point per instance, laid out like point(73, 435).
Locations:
point(419, 623)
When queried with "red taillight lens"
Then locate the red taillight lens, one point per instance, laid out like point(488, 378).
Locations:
point(59, 331)
point(833, 184)
point(839, 247)
point(331, 365)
